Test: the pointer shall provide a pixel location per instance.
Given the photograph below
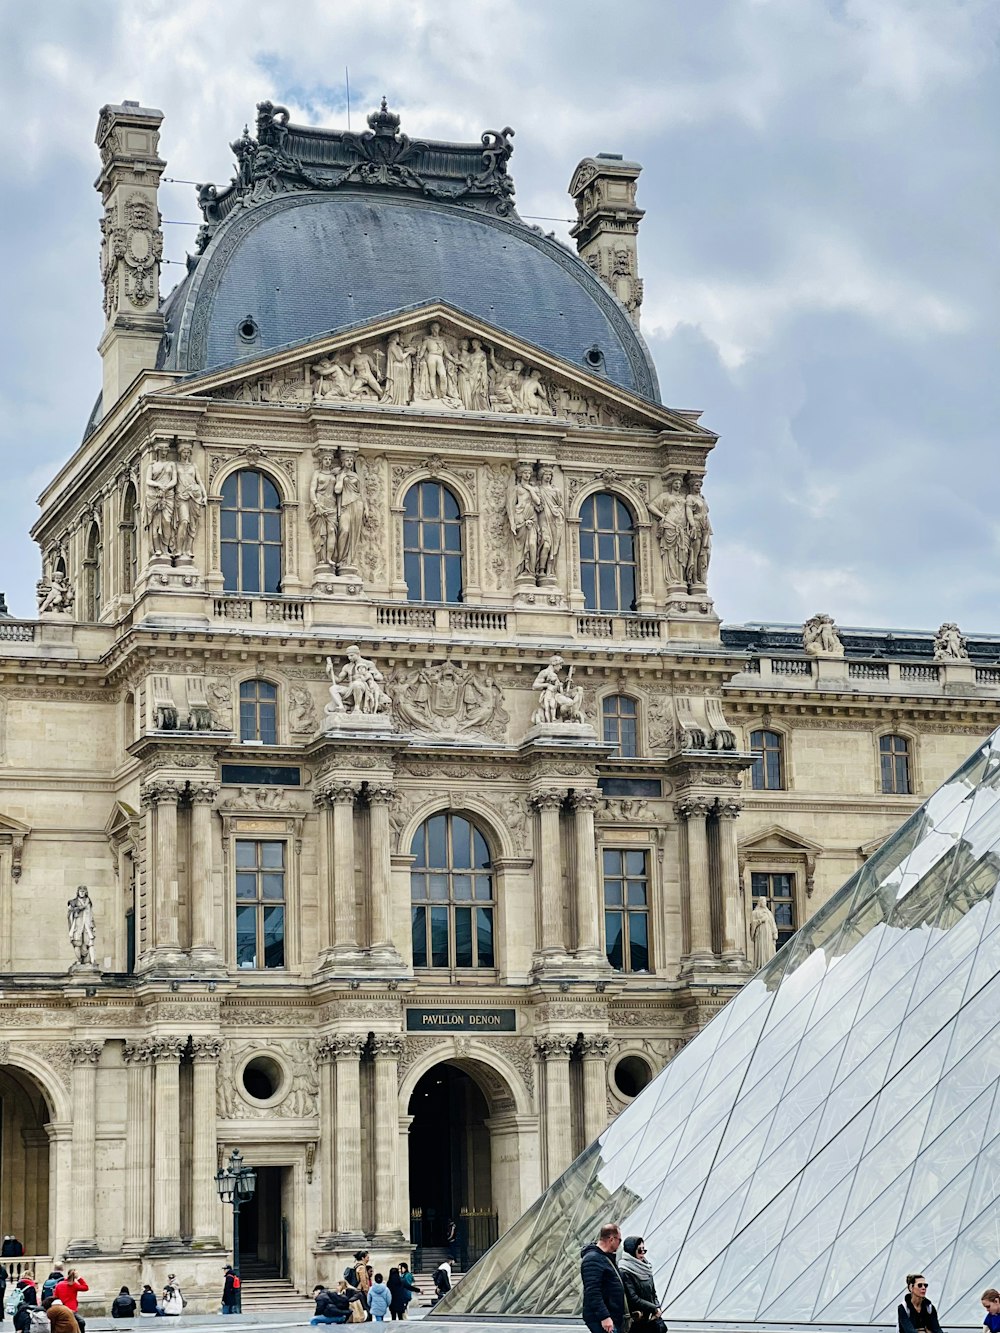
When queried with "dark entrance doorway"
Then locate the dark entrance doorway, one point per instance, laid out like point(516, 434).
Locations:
point(263, 1225)
point(450, 1173)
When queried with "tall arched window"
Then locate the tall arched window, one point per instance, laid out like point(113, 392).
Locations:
point(894, 758)
point(251, 533)
point(259, 712)
point(451, 892)
point(768, 771)
point(128, 544)
point(607, 554)
point(432, 544)
point(620, 715)
point(92, 573)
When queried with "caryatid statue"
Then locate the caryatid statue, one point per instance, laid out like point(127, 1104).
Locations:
point(524, 506)
point(699, 535)
point(673, 531)
point(161, 483)
point(335, 511)
point(551, 522)
point(189, 500)
point(80, 920)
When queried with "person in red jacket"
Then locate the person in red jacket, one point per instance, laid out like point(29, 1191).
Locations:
point(68, 1291)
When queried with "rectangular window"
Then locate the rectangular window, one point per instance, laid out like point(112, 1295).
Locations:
point(626, 908)
point(777, 888)
point(260, 903)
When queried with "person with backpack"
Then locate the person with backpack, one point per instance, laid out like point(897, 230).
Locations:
point(123, 1305)
point(24, 1292)
point(442, 1279)
point(49, 1285)
point(230, 1292)
point(31, 1319)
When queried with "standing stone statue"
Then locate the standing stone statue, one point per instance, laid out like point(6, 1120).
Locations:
point(763, 933)
point(673, 532)
point(949, 646)
point(398, 372)
point(699, 535)
point(433, 363)
point(161, 483)
point(190, 499)
point(478, 379)
point(524, 505)
point(551, 522)
point(80, 919)
point(820, 637)
point(558, 700)
point(322, 516)
point(350, 511)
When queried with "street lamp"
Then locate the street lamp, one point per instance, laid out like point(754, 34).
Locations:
point(236, 1184)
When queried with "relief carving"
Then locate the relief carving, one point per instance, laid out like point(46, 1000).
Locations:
point(450, 700)
point(370, 556)
point(302, 717)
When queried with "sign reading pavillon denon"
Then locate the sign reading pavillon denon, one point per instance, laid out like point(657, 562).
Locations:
point(461, 1020)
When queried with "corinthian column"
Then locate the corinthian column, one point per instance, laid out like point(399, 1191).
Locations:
point(694, 812)
point(325, 1056)
point(161, 797)
point(588, 902)
point(84, 1056)
point(347, 1048)
point(734, 944)
point(166, 1138)
point(202, 875)
point(204, 1200)
point(594, 1052)
point(380, 797)
point(138, 1145)
point(342, 891)
point(387, 1051)
point(555, 1052)
point(552, 945)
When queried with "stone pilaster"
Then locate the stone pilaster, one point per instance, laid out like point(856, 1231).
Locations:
point(342, 949)
point(694, 812)
point(594, 1055)
point(326, 1052)
point(204, 1198)
point(138, 1145)
point(166, 1141)
point(159, 798)
point(204, 947)
point(551, 945)
point(84, 1057)
point(383, 951)
point(555, 1053)
point(734, 944)
point(347, 1048)
point(589, 913)
point(387, 1051)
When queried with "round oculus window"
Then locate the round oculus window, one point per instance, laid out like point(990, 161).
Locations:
point(262, 1078)
point(631, 1075)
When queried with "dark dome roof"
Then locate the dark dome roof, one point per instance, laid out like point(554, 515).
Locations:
point(309, 263)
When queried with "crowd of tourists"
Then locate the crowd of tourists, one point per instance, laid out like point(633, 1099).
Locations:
point(54, 1307)
point(363, 1295)
point(619, 1291)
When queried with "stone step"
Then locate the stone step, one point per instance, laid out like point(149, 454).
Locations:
point(271, 1293)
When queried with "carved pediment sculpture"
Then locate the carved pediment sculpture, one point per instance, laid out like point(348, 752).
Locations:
point(450, 700)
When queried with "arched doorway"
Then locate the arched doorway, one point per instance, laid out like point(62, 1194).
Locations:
point(24, 1160)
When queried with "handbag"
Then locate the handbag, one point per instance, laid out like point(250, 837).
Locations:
point(358, 1315)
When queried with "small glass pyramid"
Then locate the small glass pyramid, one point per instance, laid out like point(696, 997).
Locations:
point(835, 1127)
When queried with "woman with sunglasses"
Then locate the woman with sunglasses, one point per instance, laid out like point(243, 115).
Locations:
point(916, 1314)
point(640, 1288)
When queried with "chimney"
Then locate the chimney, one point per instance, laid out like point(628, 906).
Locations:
point(132, 243)
point(607, 225)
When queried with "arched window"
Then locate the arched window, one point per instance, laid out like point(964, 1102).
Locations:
point(129, 545)
point(768, 771)
point(621, 725)
point(92, 573)
point(894, 758)
point(251, 533)
point(451, 892)
point(432, 544)
point(607, 554)
point(259, 712)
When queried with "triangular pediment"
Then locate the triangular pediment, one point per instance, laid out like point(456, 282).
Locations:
point(776, 838)
point(436, 359)
point(120, 821)
point(10, 827)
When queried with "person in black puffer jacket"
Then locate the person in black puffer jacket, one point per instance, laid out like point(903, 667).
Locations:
point(603, 1293)
point(640, 1287)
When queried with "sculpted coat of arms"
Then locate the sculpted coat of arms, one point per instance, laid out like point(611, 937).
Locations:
point(451, 700)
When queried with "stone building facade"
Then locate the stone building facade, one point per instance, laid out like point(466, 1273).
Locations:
point(378, 699)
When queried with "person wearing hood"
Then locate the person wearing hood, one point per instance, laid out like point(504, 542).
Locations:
point(379, 1298)
point(603, 1293)
point(640, 1287)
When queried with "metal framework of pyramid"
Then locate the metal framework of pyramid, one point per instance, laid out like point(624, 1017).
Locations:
point(835, 1127)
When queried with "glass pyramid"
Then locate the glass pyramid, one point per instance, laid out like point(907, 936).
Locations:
point(836, 1126)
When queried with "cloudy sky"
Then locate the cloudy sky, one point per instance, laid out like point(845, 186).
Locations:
point(820, 245)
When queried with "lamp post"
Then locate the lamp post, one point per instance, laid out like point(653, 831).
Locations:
point(236, 1184)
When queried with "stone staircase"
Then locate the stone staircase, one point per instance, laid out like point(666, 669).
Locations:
point(431, 1259)
point(262, 1289)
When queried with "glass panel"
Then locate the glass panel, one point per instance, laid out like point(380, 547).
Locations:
point(484, 936)
point(246, 853)
point(272, 886)
point(246, 937)
point(613, 923)
point(638, 944)
point(274, 937)
point(272, 854)
point(418, 932)
point(439, 937)
point(246, 885)
point(437, 841)
point(462, 887)
point(463, 936)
